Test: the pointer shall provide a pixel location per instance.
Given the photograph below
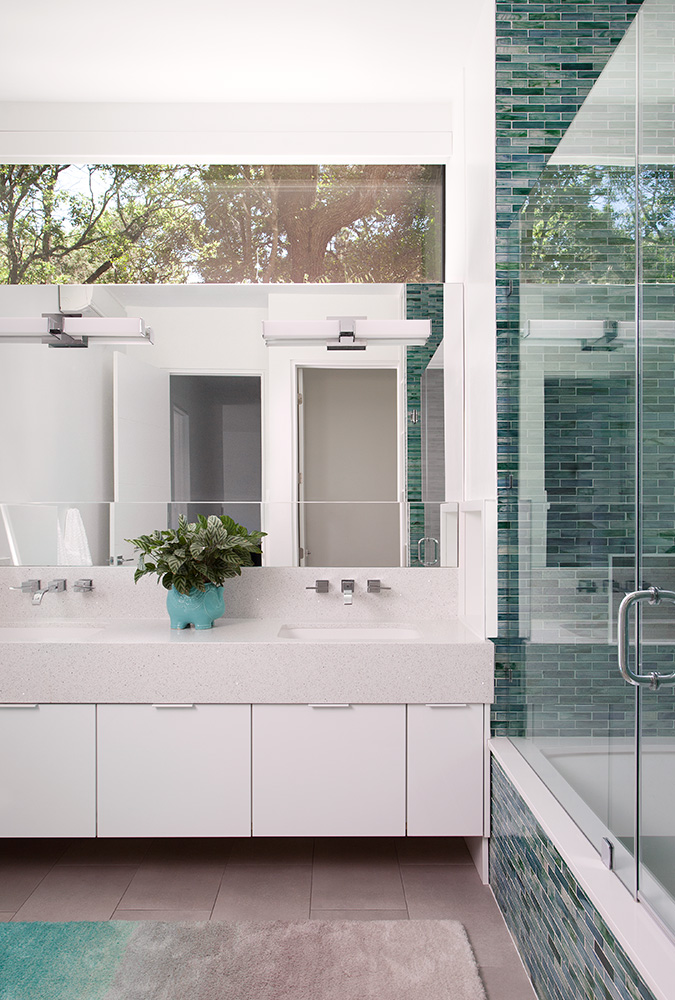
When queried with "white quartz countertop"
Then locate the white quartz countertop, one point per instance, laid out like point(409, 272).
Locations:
point(243, 661)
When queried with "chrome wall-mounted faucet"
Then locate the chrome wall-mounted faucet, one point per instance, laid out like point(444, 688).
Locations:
point(347, 588)
point(55, 586)
point(28, 587)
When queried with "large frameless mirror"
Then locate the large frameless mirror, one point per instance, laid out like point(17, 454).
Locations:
point(338, 455)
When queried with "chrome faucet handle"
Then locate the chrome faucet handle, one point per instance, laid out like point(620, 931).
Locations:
point(83, 586)
point(321, 586)
point(54, 586)
point(375, 587)
point(28, 586)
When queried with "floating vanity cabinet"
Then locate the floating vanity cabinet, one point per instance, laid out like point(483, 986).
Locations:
point(174, 770)
point(445, 770)
point(47, 771)
point(328, 770)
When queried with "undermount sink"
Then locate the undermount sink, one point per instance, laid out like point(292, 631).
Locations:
point(48, 632)
point(367, 632)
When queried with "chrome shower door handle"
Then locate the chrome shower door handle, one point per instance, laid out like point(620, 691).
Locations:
point(423, 558)
point(654, 596)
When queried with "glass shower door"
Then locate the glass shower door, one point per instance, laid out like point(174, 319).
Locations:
point(577, 463)
point(655, 653)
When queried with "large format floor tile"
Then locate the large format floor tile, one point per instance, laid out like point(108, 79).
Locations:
point(455, 892)
point(264, 892)
point(361, 850)
point(327, 878)
point(272, 851)
point(34, 849)
point(166, 886)
point(355, 885)
point(106, 851)
point(77, 892)
point(507, 982)
point(18, 880)
point(359, 915)
point(169, 916)
point(189, 850)
point(432, 851)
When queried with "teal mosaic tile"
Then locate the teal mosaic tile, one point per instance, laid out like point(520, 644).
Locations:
point(423, 301)
point(548, 55)
point(568, 949)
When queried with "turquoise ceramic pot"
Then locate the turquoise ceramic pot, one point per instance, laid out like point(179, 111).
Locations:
point(199, 608)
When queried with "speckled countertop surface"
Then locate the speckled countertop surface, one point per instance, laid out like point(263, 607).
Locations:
point(241, 661)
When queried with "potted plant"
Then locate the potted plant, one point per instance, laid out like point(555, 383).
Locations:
point(192, 561)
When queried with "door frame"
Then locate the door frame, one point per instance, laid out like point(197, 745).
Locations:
point(343, 363)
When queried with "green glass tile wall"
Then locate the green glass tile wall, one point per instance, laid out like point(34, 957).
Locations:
point(548, 57)
point(422, 302)
point(565, 944)
point(575, 690)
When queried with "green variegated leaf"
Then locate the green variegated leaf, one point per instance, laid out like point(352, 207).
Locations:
point(207, 551)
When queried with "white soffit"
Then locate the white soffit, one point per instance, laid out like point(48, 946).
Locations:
point(222, 51)
point(44, 132)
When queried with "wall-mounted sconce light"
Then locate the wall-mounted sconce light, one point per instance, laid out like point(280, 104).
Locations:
point(57, 330)
point(346, 333)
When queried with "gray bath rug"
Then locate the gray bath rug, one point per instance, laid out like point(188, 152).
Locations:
point(277, 960)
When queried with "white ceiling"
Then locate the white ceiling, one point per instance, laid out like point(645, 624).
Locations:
point(227, 51)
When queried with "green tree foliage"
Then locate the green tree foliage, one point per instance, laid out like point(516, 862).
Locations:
point(323, 223)
point(578, 225)
point(113, 223)
point(86, 224)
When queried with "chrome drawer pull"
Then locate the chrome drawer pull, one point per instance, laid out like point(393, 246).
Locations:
point(168, 705)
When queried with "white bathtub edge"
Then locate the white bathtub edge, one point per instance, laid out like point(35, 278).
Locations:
point(649, 948)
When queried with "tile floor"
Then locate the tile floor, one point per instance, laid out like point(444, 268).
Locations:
point(262, 879)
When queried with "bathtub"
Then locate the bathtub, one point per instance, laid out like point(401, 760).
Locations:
point(579, 793)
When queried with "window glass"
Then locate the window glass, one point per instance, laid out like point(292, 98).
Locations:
point(220, 223)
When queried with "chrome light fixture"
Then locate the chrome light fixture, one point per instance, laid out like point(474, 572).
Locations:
point(346, 333)
point(57, 330)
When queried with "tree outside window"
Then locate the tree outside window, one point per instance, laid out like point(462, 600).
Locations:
point(220, 223)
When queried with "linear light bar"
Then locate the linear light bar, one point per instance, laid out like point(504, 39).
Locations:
point(107, 330)
point(352, 335)
point(24, 329)
point(73, 331)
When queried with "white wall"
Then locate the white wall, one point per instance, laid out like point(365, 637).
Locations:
point(480, 470)
point(57, 438)
point(226, 133)
point(471, 260)
point(56, 414)
point(338, 132)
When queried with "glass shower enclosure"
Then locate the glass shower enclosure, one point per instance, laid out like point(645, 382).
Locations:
point(596, 469)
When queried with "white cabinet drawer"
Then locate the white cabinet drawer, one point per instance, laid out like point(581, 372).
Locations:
point(328, 770)
point(445, 771)
point(47, 771)
point(174, 771)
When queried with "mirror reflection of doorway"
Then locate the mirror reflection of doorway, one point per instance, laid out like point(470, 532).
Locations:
point(216, 447)
point(348, 451)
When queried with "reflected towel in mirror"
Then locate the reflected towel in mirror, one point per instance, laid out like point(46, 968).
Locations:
point(72, 547)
